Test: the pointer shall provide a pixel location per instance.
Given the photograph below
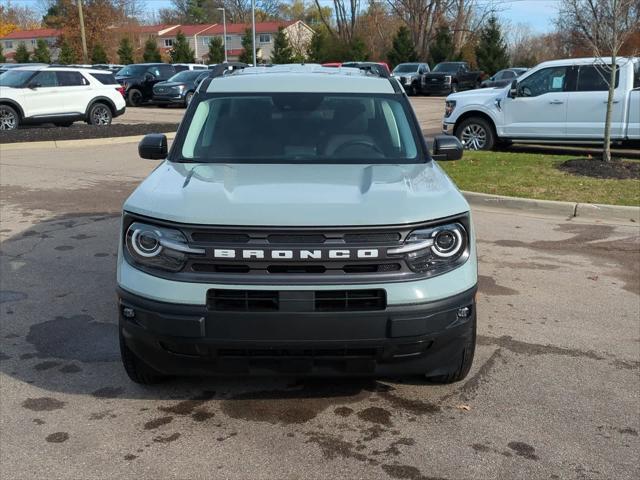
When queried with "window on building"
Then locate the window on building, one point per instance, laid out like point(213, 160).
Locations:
point(34, 41)
point(168, 42)
point(264, 38)
point(8, 44)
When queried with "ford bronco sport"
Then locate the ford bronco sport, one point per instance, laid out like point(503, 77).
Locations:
point(298, 225)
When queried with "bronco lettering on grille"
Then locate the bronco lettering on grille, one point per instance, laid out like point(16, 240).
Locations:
point(296, 254)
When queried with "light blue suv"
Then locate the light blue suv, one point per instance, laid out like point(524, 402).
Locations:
point(298, 225)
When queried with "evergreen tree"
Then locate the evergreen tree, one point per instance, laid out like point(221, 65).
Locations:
point(125, 52)
point(491, 51)
point(317, 51)
point(247, 47)
point(98, 54)
point(2, 57)
point(151, 52)
point(41, 53)
point(216, 51)
point(403, 49)
point(282, 51)
point(442, 47)
point(356, 50)
point(22, 54)
point(181, 51)
point(67, 55)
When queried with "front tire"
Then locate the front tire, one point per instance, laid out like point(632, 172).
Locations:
point(464, 362)
point(9, 118)
point(100, 114)
point(137, 370)
point(476, 133)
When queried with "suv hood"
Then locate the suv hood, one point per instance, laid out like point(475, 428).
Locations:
point(296, 195)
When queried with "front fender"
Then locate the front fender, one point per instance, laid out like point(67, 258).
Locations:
point(488, 108)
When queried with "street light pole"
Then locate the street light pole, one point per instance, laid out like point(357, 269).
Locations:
point(224, 28)
point(253, 20)
point(83, 37)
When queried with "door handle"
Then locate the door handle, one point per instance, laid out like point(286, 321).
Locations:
point(615, 101)
point(556, 102)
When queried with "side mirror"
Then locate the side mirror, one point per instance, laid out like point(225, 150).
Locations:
point(513, 90)
point(33, 85)
point(447, 147)
point(153, 146)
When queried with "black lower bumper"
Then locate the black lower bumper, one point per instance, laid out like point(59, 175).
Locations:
point(120, 112)
point(426, 338)
point(437, 89)
point(168, 100)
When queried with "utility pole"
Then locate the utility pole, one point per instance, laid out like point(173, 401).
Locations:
point(253, 21)
point(85, 56)
point(224, 28)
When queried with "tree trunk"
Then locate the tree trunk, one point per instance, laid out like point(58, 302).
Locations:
point(606, 152)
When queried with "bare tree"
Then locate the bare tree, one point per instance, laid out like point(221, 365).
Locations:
point(605, 25)
point(421, 17)
point(346, 14)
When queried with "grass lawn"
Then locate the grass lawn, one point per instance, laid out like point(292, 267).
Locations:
point(535, 175)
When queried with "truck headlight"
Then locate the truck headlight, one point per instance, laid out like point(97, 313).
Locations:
point(157, 247)
point(449, 106)
point(435, 250)
point(447, 79)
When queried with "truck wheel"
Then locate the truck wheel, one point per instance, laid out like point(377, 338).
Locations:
point(137, 370)
point(9, 119)
point(476, 133)
point(134, 97)
point(464, 365)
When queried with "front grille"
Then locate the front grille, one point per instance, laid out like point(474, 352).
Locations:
point(242, 300)
point(297, 352)
point(223, 300)
point(350, 300)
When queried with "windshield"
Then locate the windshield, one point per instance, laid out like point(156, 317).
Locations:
point(132, 70)
point(186, 76)
point(406, 68)
point(300, 128)
point(447, 67)
point(15, 78)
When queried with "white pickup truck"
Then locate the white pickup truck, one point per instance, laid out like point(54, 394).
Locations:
point(561, 101)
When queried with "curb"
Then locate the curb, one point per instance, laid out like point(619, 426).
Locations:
point(88, 142)
point(591, 211)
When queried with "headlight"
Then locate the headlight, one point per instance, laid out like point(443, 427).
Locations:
point(447, 79)
point(158, 247)
point(435, 250)
point(449, 106)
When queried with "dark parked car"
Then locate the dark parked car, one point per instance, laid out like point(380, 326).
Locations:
point(450, 77)
point(503, 78)
point(381, 67)
point(138, 80)
point(411, 76)
point(179, 89)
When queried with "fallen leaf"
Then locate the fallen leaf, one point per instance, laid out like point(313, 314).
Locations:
point(463, 407)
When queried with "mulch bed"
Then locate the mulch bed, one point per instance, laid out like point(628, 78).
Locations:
point(81, 130)
point(616, 169)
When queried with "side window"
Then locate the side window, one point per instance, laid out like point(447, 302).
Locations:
point(595, 78)
point(547, 80)
point(46, 79)
point(165, 71)
point(155, 71)
point(508, 75)
point(636, 75)
point(71, 79)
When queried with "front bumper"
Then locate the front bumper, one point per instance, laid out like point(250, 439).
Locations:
point(447, 128)
point(168, 99)
point(437, 88)
point(177, 339)
point(120, 111)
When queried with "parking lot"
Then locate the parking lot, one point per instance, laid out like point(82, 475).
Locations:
point(553, 393)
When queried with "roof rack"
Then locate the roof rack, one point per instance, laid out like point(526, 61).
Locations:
point(222, 68)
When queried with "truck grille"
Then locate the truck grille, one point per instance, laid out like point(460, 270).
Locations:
point(227, 300)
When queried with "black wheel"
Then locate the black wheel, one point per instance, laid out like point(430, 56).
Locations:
point(188, 98)
point(464, 365)
point(9, 118)
point(100, 114)
point(137, 370)
point(134, 97)
point(63, 124)
point(454, 87)
point(476, 133)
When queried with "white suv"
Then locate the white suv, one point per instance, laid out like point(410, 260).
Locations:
point(59, 95)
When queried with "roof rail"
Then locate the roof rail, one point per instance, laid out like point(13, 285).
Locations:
point(222, 68)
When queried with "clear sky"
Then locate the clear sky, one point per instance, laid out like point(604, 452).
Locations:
point(539, 14)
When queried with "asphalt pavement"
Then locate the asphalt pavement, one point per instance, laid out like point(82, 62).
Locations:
point(554, 391)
